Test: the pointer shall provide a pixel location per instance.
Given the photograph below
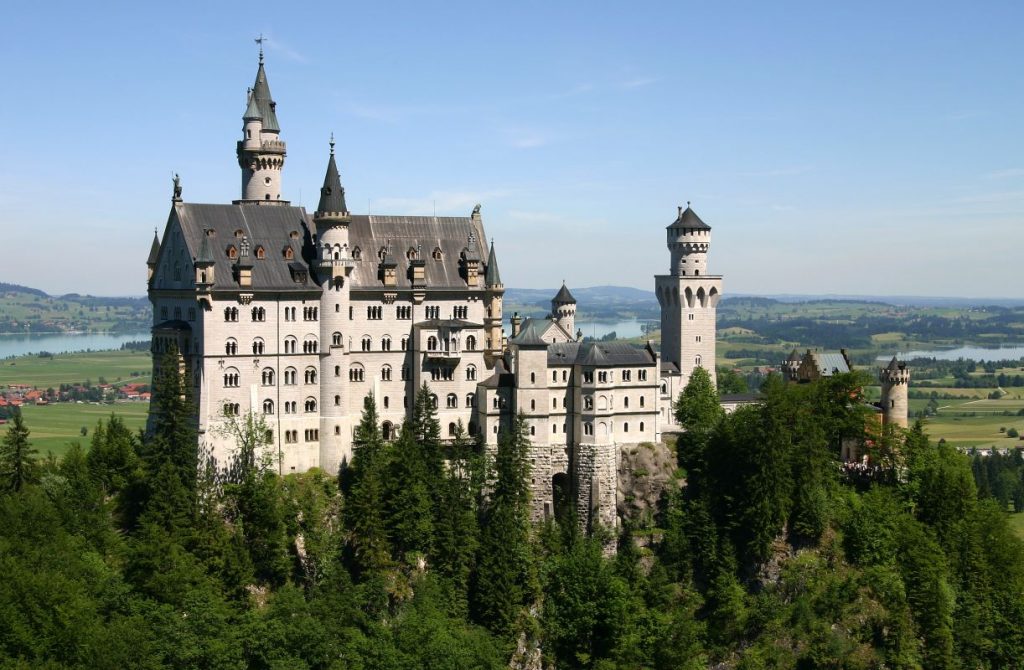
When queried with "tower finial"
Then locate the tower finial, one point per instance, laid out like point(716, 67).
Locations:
point(332, 143)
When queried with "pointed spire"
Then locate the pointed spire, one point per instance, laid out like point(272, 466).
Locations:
point(332, 195)
point(492, 277)
point(264, 103)
point(154, 250)
point(205, 255)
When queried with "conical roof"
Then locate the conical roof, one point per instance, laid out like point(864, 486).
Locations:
point(154, 250)
point(492, 277)
point(264, 103)
point(252, 110)
point(205, 255)
point(332, 195)
point(688, 219)
point(564, 297)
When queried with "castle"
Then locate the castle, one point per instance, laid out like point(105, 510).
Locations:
point(300, 317)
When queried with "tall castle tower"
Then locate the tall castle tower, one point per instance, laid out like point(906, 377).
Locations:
point(688, 296)
point(261, 151)
point(895, 379)
point(563, 310)
point(333, 266)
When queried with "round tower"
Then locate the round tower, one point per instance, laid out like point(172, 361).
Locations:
point(895, 379)
point(563, 309)
point(261, 152)
point(333, 267)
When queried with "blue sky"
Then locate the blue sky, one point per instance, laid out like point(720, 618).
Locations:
point(872, 148)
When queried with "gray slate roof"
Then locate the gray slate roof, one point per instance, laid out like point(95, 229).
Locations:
point(563, 297)
point(688, 219)
point(266, 226)
point(599, 354)
point(451, 234)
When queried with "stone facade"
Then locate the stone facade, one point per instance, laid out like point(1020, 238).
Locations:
point(300, 317)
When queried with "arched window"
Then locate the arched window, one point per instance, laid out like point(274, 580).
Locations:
point(310, 375)
point(471, 343)
point(385, 373)
point(290, 376)
point(452, 401)
point(470, 373)
point(268, 376)
point(268, 406)
point(231, 347)
point(470, 399)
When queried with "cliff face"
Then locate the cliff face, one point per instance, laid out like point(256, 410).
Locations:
point(646, 470)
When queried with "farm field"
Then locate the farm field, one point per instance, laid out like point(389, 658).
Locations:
point(55, 426)
point(76, 368)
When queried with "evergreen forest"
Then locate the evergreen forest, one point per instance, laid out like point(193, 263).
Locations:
point(764, 552)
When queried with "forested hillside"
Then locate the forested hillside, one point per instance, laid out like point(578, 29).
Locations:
point(421, 554)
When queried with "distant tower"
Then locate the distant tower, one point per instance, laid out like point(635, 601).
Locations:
point(688, 297)
point(895, 379)
point(494, 291)
point(563, 309)
point(261, 152)
point(333, 266)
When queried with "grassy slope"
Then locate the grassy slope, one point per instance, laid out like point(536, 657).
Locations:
point(75, 368)
point(54, 427)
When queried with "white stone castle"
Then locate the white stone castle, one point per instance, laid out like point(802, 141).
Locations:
point(300, 317)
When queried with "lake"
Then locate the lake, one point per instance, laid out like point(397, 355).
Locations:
point(1012, 352)
point(62, 343)
point(622, 329)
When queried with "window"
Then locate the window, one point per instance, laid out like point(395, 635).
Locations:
point(385, 344)
point(310, 405)
point(356, 373)
point(231, 347)
point(310, 375)
point(268, 406)
point(470, 373)
point(268, 376)
point(366, 343)
point(471, 343)
point(290, 375)
point(385, 373)
point(257, 346)
point(259, 314)
point(452, 401)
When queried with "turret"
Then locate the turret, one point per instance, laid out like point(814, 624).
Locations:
point(563, 309)
point(261, 152)
point(494, 290)
point(895, 379)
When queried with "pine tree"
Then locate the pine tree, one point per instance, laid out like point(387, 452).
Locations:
point(364, 506)
point(506, 579)
point(18, 466)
